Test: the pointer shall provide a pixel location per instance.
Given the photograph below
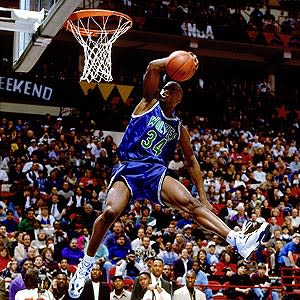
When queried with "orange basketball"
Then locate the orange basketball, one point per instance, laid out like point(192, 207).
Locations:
point(181, 65)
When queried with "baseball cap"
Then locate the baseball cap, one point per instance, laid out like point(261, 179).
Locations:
point(211, 243)
point(115, 277)
point(187, 226)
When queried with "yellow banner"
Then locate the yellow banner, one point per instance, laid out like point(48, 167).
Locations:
point(106, 89)
point(124, 91)
point(85, 86)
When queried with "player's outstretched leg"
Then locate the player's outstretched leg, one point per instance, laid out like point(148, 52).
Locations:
point(176, 195)
point(116, 201)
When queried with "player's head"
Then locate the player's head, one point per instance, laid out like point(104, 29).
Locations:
point(172, 93)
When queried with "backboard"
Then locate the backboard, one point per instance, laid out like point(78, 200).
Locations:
point(34, 23)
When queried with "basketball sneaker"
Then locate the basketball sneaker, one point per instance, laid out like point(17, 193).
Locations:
point(247, 243)
point(77, 281)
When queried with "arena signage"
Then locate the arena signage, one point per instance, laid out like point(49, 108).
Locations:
point(26, 87)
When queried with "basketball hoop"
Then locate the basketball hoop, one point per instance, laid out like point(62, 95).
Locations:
point(96, 30)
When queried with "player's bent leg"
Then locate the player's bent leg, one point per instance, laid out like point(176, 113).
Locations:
point(176, 195)
point(116, 201)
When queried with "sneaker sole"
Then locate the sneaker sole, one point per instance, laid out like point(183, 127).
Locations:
point(263, 236)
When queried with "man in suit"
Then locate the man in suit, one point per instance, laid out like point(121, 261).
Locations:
point(93, 288)
point(156, 275)
point(183, 264)
point(156, 279)
point(188, 291)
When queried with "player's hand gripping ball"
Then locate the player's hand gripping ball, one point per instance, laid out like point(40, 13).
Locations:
point(181, 65)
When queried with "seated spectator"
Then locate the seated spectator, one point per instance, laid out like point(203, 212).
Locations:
point(179, 243)
point(10, 222)
point(26, 225)
point(46, 219)
point(48, 259)
point(129, 267)
point(119, 251)
point(145, 250)
point(225, 261)
point(261, 283)
point(119, 291)
point(212, 256)
point(40, 243)
point(182, 265)
point(201, 278)
point(18, 283)
point(21, 250)
point(285, 256)
point(203, 264)
point(188, 289)
point(4, 258)
point(241, 278)
point(111, 238)
point(168, 255)
point(72, 252)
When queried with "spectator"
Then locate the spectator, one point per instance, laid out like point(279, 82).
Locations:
point(241, 278)
point(4, 258)
point(26, 225)
point(148, 291)
point(129, 267)
point(59, 287)
point(21, 250)
point(111, 238)
point(119, 292)
point(40, 243)
point(212, 257)
point(261, 283)
point(182, 265)
point(188, 290)
point(72, 252)
point(31, 290)
point(168, 255)
point(145, 250)
point(18, 283)
point(120, 250)
point(156, 276)
point(94, 288)
point(201, 279)
point(10, 222)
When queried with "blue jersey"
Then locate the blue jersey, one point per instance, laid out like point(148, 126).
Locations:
point(150, 137)
point(145, 150)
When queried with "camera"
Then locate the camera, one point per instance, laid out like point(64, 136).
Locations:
point(43, 280)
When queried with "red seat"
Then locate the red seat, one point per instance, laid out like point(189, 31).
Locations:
point(214, 285)
point(220, 297)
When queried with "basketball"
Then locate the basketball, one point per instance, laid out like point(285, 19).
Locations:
point(181, 65)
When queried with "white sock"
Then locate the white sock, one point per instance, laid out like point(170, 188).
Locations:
point(231, 238)
point(89, 259)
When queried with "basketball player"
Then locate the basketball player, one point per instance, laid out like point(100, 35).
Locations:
point(147, 146)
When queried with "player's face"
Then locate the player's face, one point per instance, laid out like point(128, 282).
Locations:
point(171, 93)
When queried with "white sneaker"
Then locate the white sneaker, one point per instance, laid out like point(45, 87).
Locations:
point(247, 243)
point(77, 281)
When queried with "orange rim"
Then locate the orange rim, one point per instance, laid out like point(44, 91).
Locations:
point(82, 14)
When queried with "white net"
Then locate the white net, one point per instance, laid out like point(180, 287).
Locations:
point(96, 34)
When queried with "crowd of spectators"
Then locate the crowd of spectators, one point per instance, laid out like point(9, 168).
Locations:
point(53, 185)
point(229, 19)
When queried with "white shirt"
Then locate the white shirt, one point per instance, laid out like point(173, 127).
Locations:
point(158, 296)
point(184, 294)
point(125, 295)
point(33, 294)
point(96, 287)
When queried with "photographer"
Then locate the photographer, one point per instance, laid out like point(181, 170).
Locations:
point(33, 291)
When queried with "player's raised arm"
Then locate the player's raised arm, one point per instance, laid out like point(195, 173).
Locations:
point(152, 78)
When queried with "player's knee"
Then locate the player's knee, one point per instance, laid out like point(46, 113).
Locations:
point(110, 214)
point(194, 204)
